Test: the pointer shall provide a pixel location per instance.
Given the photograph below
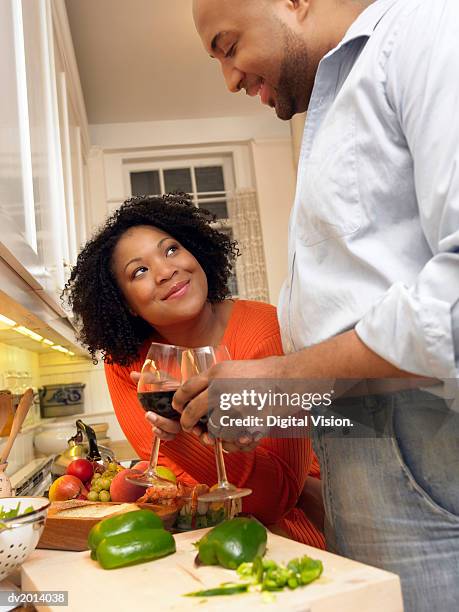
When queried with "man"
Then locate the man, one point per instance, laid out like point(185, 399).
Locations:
point(373, 281)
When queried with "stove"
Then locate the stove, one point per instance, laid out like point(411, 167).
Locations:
point(34, 478)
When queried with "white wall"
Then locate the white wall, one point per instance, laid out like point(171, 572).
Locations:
point(275, 184)
point(187, 132)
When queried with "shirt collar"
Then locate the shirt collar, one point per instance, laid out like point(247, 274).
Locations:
point(366, 22)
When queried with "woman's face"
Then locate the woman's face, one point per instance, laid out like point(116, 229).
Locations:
point(161, 281)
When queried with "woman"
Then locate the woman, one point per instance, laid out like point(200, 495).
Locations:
point(158, 271)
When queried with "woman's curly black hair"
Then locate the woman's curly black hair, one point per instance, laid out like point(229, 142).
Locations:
point(103, 319)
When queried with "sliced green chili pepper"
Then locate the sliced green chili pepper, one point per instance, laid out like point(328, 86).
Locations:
point(229, 589)
point(257, 570)
point(245, 570)
point(292, 583)
point(134, 547)
point(306, 569)
point(267, 576)
point(269, 564)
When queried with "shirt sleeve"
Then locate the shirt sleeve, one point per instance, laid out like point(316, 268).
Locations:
point(417, 327)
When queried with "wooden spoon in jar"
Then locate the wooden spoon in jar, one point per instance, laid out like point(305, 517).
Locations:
point(21, 412)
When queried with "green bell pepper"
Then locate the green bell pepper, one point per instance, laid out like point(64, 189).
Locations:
point(137, 519)
point(134, 547)
point(233, 542)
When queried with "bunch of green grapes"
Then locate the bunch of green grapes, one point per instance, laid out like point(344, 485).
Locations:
point(100, 483)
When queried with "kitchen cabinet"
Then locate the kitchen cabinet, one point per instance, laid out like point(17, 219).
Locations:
point(43, 146)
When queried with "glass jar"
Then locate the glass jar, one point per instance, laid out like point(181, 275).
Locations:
point(11, 380)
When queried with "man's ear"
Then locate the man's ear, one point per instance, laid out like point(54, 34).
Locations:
point(300, 8)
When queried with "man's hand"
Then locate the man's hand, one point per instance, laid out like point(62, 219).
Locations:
point(337, 359)
point(167, 429)
point(191, 399)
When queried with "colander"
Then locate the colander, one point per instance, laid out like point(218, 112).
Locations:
point(19, 536)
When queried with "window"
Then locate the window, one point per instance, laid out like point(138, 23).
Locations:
point(145, 183)
point(206, 184)
point(207, 180)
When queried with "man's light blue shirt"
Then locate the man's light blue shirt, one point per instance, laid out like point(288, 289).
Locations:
point(374, 231)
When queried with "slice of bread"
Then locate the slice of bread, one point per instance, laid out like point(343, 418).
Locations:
point(93, 510)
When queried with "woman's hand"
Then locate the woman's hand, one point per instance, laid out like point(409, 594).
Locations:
point(135, 377)
point(164, 429)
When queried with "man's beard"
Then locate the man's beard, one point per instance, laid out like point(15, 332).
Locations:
point(294, 88)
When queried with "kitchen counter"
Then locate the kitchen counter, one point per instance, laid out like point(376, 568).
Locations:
point(345, 585)
point(123, 450)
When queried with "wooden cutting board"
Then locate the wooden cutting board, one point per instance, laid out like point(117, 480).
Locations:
point(71, 533)
point(345, 586)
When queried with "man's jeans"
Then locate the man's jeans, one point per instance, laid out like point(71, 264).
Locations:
point(393, 501)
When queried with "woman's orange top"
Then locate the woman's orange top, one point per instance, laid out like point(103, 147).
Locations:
point(276, 470)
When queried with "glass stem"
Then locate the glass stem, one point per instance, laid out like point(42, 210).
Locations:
point(151, 470)
point(221, 469)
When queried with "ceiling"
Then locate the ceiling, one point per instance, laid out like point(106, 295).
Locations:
point(142, 60)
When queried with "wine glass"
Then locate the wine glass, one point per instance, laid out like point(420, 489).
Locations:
point(198, 360)
point(160, 377)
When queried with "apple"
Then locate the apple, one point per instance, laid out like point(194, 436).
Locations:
point(81, 468)
point(162, 471)
point(66, 487)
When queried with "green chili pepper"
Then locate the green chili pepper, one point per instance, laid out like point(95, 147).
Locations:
point(292, 583)
point(233, 542)
point(278, 577)
point(269, 564)
point(229, 589)
point(134, 547)
point(245, 570)
point(306, 569)
point(137, 519)
point(257, 570)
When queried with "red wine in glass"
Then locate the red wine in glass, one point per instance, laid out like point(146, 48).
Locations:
point(160, 377)
point(159, 402)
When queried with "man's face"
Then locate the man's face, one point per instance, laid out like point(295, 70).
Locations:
point(261, 47)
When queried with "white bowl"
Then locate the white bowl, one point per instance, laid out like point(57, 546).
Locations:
point(19, 536)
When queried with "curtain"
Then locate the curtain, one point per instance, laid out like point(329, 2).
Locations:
point(251, 265)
